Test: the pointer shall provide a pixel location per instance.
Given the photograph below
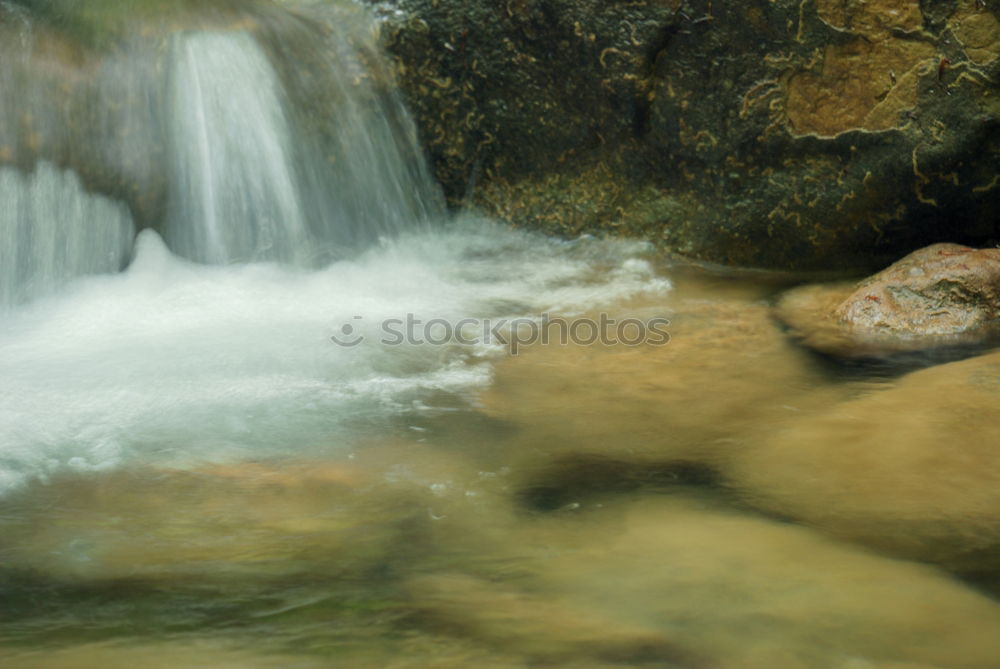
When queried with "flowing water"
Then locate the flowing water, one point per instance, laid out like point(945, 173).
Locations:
point(52, 231)
point(232, 165)
point(302, 419)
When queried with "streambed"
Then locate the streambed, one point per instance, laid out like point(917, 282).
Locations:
point(218, 448)
point(694, 504)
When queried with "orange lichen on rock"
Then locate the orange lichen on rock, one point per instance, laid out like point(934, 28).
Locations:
point(861, 85)
point(864, 84)
point(871, 18)
point(978, 31)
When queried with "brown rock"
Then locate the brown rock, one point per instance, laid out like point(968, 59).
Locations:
point(978, 31)
point(639, 410)
point(825, 135)
point(942, 295)
point(676, 581)
point(538, 626)
point(873, 18)
point(861, 85)
point(252, 521)
point(912, 469)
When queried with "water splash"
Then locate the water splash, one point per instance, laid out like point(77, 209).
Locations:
point(173, 361)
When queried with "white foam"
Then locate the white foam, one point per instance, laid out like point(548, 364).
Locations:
point(173, 361)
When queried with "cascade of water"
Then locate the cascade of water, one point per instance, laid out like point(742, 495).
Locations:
point(257, 133)
point(234, 192)
point(268, 163)
point(362, 168)
point(52, 230)
point(264, 135)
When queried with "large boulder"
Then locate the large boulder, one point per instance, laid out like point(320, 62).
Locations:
point(769, 133)
point(943, 295)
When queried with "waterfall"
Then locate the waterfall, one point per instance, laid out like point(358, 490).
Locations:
point(234, 192)
point(52, 230)
point(284, 202)
point(296, 168)
point(240, 135)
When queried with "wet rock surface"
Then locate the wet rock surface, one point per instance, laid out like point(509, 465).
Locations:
point(773, 595)
point(902, 464)
point(593, 417)
point(510, 619)
point(250, 523)
point(943, 295)
point(783, 134)
point(909, 467)
point(602, 507)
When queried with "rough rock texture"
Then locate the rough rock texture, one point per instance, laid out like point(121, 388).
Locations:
point(942, 295)
point(772, 133)
point(912, 469)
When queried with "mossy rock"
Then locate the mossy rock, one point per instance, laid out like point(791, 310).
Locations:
point(788, 134)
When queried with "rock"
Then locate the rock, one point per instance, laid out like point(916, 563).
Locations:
point(519, 86)
point(593, 419)
point(543, 628)
point(911, 468)
point(90, 96)
point(780, 134)
point(943, 295)
point(362, 650)
point(248, 523)
point(681, 582)
point(186, 652)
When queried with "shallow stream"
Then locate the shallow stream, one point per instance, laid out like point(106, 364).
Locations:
point(263, 403)
point(196, 474)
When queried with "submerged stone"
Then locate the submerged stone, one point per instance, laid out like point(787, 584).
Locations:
point(541, 627)
point(249, 523)
point(680, 582)
point(592, 418)
point(943, 295)
point(911, 468)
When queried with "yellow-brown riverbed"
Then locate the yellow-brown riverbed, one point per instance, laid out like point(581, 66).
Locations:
point(725, 500)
